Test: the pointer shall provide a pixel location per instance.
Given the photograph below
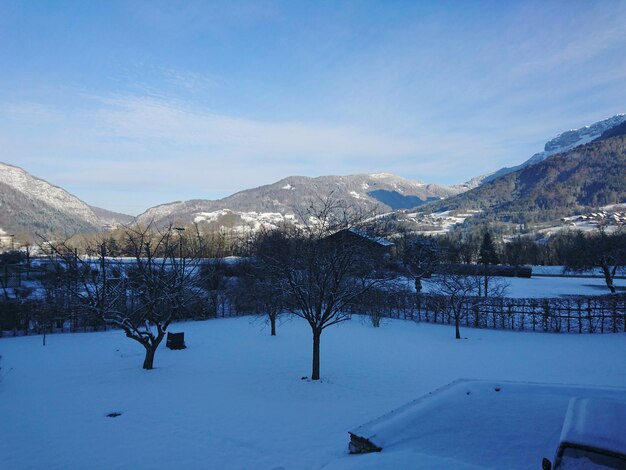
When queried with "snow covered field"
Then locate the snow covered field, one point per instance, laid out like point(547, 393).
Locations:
point(540, 287)
point(235, 398)
point(558, 286)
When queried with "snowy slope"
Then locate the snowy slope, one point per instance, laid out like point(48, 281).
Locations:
point(30, 205)
point(42, 191)
point(234, 399)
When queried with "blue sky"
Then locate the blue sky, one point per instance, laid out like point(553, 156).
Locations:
point(129, 104)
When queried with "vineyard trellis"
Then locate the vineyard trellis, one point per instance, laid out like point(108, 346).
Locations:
point(603, 314)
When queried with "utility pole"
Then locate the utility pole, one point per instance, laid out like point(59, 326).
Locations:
point(180, 231)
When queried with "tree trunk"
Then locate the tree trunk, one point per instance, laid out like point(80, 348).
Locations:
point(315, 374)
point(486, 283)
point(457, 321)
point(273, 324)
point(149, 359)
point(608, 278)
point(418, 285)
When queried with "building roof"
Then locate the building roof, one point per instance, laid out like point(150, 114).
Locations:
point(373, 238)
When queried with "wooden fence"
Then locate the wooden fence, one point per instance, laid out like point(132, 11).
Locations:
point(606, 314)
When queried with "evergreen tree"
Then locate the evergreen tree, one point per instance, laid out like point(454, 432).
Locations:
point(488, 253)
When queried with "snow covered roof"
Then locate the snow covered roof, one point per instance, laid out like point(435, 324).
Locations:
point(596, 423)
point(362, 233)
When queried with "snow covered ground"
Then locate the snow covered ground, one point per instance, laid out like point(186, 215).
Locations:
point(500, 425)
point(558, 286)
point(235, 398)
point(540, 287)
point(561, 271)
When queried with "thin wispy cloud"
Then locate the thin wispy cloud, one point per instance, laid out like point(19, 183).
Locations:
point(139, 138)
point(151, 120)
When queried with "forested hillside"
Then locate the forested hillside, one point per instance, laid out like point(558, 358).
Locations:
point(588, 176)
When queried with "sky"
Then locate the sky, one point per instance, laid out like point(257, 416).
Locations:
point(130, 104)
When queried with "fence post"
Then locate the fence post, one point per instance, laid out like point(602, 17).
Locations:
point(419, 308)
point(602, 305)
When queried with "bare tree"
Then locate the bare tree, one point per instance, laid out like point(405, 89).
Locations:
point(381, 302)
point(142, 295)
point(258, 291)
point(213, 280)
point(463, 292)
point(319, 267)
point(599, 250)
point(420, 255)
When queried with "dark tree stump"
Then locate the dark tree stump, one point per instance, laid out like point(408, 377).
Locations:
point(175, 341)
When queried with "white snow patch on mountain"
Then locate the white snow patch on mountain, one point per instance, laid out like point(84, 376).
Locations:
point(210, 216)
point(575, 137)
point(161, 211)
point(250, 221)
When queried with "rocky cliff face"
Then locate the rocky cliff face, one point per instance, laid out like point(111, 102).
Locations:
point(576, 137)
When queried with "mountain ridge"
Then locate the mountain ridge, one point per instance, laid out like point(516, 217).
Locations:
point(31, 205)
point(289, 195)
point(590, 175)
point(563, 142)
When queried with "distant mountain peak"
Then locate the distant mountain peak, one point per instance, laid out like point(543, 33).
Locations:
point(575, 137)
point(583, 178)
point(31, 205)
point(563, 142)
point(288, 196)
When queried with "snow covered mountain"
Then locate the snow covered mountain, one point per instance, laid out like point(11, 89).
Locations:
point(111, 219)
point(274, 203)
point(564, 142)
point(30, 205)
point(576, 181)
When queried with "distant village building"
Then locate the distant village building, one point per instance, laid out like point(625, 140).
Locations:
point(600, 218)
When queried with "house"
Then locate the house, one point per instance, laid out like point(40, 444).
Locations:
point(358, 236)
